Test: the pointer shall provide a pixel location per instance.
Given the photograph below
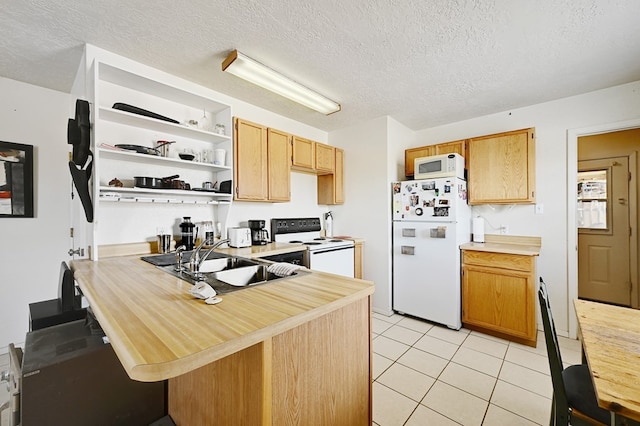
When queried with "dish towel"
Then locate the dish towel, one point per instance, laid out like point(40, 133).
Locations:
point(283, 269)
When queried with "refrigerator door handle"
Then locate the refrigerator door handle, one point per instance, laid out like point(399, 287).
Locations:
point(409, 232)
point(410, 250)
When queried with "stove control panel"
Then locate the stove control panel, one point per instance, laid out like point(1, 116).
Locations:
point(290, 226)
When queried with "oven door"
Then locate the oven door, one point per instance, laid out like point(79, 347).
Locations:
point(337, 260)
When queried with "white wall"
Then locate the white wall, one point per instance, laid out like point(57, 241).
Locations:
point(370, 166)
point(32, 248)
point(552, 121)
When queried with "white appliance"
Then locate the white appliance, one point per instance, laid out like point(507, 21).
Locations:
point(431, 219)
point(239, 237)
point(328, 254)
point(439, 166)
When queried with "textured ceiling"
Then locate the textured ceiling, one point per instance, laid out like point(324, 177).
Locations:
point(423, 63)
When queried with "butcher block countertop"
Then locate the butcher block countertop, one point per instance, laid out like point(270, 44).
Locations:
point(159, 331)
point(508, 244)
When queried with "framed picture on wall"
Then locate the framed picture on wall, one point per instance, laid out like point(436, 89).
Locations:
point(16, 180)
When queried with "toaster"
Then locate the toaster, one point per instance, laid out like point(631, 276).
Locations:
point(239, 237)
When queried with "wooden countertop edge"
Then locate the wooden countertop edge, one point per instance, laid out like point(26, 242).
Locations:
point(168, 370)
point(122, 344)
point(508, 244)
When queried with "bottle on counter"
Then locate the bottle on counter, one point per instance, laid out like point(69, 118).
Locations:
point(207, 233)
point(328, 224)
point(218, 231)
point(186, 229)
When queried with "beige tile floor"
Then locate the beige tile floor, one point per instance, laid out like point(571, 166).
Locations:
point(425, 374)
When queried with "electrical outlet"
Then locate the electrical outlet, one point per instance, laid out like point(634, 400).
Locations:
point(504, 229)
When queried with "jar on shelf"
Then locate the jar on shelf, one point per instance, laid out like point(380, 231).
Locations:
point(219, 129)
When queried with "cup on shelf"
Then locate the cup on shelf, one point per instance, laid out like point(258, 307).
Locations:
point(219, 156)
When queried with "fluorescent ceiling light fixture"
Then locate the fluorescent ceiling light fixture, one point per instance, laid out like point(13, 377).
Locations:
point(244, 67)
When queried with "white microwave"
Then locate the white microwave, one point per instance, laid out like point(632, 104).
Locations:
point(439, 166)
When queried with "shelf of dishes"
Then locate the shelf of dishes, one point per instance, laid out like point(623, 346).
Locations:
point(130, 119)
point(207, 158)
point(162, 196)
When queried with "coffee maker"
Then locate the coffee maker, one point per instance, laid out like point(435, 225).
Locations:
point(259, 234)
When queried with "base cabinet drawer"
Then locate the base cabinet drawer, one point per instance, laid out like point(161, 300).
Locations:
point(499, 260)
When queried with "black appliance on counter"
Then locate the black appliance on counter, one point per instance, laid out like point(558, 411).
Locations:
point(67, 307)
point(296, 257)
point(259, 234)
point(71, 376)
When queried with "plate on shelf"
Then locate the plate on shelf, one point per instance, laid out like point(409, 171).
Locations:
point(206, 190)
point(138, 148)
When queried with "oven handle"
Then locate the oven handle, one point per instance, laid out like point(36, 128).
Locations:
point(318, 251)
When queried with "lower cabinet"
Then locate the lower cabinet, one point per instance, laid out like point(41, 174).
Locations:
point(499, 295)
point(358, 254)
point(318, 373)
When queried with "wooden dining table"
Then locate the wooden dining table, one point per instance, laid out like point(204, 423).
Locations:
point(611, 342)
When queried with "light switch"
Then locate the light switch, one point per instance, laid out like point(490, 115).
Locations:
point(539, 208)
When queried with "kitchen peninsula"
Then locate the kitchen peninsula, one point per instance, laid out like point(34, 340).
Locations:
point(293, 351)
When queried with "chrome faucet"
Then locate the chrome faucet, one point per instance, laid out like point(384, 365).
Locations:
point(196, 260)
point(179, 251)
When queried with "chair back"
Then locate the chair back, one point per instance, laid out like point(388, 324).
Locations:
point(553, 351)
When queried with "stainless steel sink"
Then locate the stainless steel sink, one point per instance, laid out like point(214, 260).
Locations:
point(225, 263)
point(227, 274)
point(244, 276)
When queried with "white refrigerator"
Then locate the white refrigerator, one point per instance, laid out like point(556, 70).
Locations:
point(431, 219)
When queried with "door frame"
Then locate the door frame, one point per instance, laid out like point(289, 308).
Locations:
point(572, 229)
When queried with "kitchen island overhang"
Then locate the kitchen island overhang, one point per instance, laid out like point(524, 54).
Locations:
point(159, 331)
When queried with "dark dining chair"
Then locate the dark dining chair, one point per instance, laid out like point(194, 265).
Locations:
point(574, 399)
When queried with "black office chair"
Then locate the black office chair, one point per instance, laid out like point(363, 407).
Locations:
point(574, 399)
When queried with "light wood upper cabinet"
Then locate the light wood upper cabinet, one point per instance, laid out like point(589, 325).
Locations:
point(501, 168)
point(303, 154)
point(339, 177)
point(455, 147)
point(325, 158)
point(250, 161)
point(410, 156)
point(279, 165)
point(262, 163)
point(331, 187)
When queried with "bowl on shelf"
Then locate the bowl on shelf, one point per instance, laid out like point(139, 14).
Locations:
point(188, 157)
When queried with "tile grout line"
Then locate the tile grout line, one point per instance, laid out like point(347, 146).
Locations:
point(450, 361)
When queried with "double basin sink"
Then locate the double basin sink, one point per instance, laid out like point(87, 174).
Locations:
point(227, 273)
